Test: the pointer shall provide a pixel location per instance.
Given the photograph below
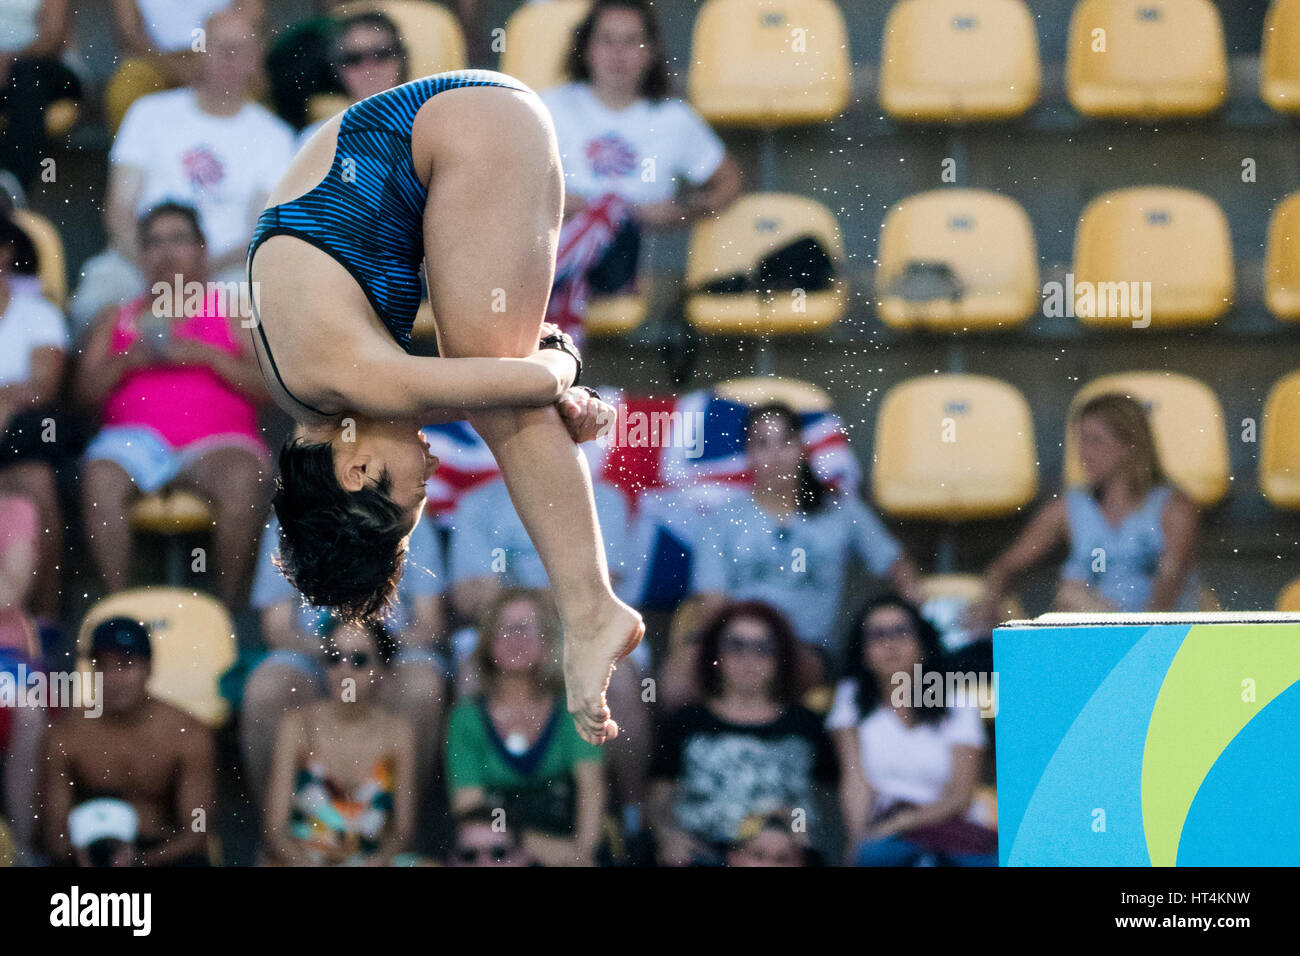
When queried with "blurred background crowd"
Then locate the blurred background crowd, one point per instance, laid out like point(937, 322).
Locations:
point(898, 446)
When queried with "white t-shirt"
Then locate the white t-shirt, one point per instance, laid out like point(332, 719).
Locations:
point(902, 762)
point(637, 153)
point(223, 166)
point(171, 23)
point(29, 323)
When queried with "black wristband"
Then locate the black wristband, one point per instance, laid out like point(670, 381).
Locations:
point(590, 391)
point(562, 342)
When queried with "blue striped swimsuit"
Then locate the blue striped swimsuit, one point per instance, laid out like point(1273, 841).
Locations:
point(368, 211)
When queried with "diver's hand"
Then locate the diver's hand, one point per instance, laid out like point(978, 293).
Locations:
point(584, 415)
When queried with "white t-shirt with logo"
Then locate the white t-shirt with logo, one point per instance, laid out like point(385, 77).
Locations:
point(29, 323)
point(221, 165)
point(637, 153)
point(171, 23)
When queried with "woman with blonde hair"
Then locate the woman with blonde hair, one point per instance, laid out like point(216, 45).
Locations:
point(1131, 535)
point(511, 747)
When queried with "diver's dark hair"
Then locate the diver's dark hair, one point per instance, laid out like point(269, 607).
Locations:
point(654, 85)
point(341, 549)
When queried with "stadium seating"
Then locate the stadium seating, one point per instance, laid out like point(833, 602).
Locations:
point(759, 389)
point(51, 265)
point(1289, 599)
point(135, 77)
point(430, 31)
point(734, 243)
point(616, 314)
point(1282, 262)
point(957, 259)
point(935, 62)
point(1186, 421)
point(193, 644)
point(953, 448)
point(769, 62)
point(1279, 71)
point(1146, 59)
point(171, 515)
point(1175, 239)
point(537, 41)
point(1279, 451)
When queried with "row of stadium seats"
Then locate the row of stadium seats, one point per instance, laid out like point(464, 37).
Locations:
point(768, 63)
point(951, 259)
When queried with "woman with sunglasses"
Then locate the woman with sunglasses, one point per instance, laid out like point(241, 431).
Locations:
point(908, 771)
point(458, 171)
point(750, 747)
point(342, 787)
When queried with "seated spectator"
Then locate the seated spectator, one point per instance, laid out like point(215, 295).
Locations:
point(19, 549)
point(292, 673)
point(748, 748)
point(789, 542)
point(908, 772)
point(33, 74)
point(34, 437)
point(142, 751)
point(299, 63)
point(1131, 535)
point(513, 746)
point(768, 839)
point(342, 789)
point(20, 727)
point(207, 145)
point(679, 682)
point(481, 840)
point(625, 147)
point(177, 395)
point(368, 57)
point(159, 42)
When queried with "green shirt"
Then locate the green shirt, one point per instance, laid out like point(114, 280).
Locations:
point(536, 788)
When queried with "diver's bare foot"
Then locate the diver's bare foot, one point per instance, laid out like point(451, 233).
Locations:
point(589, 659)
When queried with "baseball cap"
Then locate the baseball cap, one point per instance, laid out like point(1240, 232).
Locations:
point(123, 635)
point(106, 818)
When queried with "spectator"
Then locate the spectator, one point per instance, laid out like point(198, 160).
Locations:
point(177, 395)
point(33, 38)
point(208, 145)
point(342, 787)
point(625, 147)
point(300, 64)
point(159, 41)
point(513, 746)
point(292, 673)
point(20, 727)
point(33, 435)
point(142, 751)
point(368, 57)
point(908, 772)
point(768, 839)
point(748, 748)
point(1132, 537)
point(789, 541)
point(483, 840)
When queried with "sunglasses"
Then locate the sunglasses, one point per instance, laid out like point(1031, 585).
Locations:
point(740, 645)
point(472, 854)
point(899, 632)
point(357, 659)
point(377, 55)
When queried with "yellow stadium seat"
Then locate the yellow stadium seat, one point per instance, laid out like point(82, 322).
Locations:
point(755, 390)
point(616, 314)
point(769, 62)
point(953, 448)
point(1187, 424)
point(935, 62)
point(1279, 451)
point(430, 31)
point(193, 645)
point(955, 259)
point(324, 105)
point(51, 265)
point(1289, 600)
point(537, 41)
point(736, 241)
point(1146, 59)
point(1175, 239)
point(1279, 69)
point(170, 512)
point(134, 77)
point(1282, 260)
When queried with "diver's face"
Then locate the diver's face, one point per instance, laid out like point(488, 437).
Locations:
point(366, 450)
